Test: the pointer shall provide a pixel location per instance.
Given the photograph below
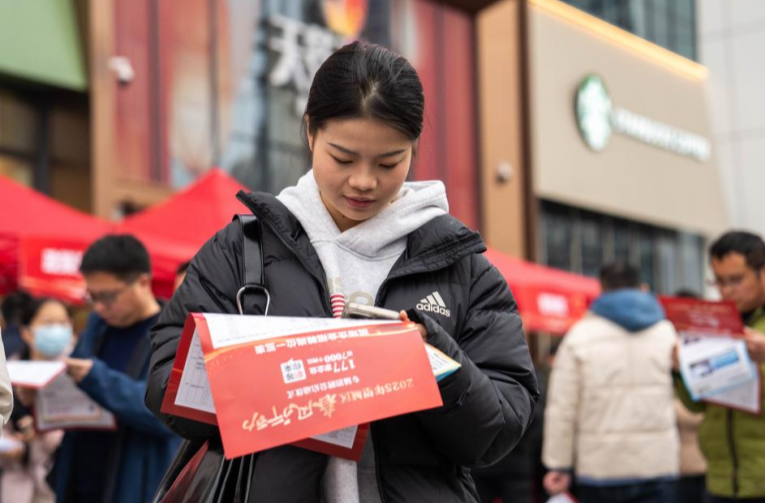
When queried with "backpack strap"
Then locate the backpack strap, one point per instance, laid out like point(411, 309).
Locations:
point(252, 260)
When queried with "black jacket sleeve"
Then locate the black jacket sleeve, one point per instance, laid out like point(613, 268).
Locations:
point(210, 286)
point(489, 402)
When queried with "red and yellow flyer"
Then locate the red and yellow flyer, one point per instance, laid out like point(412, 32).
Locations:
point(271, 381)
point(712, 356)
point(707, 318)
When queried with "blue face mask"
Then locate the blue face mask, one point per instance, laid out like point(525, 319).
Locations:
point(52, 340)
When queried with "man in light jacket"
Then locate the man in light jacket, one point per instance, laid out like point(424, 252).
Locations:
point(610, 415)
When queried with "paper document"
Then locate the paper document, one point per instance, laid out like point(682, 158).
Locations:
point(712, 365)
point(562, 498)
point(714, 362)
point(194, 390)
point(441, 364)
point(62, 404)
point(747, 397)
point(315, 383)
point(227, 330)
point(10, 444)
point(34, 374)
point(344, 437)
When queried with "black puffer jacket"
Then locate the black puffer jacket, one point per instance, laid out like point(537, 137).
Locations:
point(420, 457)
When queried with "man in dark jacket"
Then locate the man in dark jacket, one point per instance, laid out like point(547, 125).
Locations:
point(110, 364)
point(424, 456)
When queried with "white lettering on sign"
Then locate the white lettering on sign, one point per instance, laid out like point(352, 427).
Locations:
point(302, 49)
point(553, 305)
point(660, 135)
point(60, 261)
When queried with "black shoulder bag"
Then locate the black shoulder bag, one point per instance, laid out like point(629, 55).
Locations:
point(200, 473)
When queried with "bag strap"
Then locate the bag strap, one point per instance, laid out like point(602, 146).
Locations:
point(252, 260)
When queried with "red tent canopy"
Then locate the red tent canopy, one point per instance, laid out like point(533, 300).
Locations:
point(175, 229)
point(42, 242)
point(549, 300)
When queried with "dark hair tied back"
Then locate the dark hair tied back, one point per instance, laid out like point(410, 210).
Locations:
point(367, 81)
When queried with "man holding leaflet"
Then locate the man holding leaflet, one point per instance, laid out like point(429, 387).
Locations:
point(110, 364)
point(732, 441)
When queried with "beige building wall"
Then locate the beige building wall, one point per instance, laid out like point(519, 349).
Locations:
point(628, 178)
point(503, 171)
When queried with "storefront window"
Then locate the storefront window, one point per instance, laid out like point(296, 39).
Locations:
point(670, 268)
point(624, 241)
point(692, 259)
point(16, 169)
point(646, 254)
point(18, 137)
point(582, 241)
point(557, 231)
point(592, 243)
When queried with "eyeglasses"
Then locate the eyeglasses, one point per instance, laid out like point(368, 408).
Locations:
point(105, 298)
point(729, 282)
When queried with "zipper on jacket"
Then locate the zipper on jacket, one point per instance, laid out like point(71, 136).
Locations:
point(734, 455)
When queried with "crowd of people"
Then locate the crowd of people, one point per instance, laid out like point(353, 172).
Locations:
point(614, 422)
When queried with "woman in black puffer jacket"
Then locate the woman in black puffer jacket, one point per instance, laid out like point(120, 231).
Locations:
point(353, 230)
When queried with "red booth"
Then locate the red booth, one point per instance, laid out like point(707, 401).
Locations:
point(176, 229)
point(42, 242)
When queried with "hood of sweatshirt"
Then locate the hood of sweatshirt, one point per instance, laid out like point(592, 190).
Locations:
point(416, 204)
point(631, 309)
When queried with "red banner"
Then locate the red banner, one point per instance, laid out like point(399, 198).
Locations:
point(703, 316)
point(51, 267)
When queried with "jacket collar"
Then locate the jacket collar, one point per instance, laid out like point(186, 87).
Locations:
point(438, 244)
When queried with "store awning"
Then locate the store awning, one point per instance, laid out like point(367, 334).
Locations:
point(41, 41)
point(42, 242)
point(174, 230)
point(194, 214)
point(549, 300)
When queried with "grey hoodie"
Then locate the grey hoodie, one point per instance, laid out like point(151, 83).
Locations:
point(356, 263)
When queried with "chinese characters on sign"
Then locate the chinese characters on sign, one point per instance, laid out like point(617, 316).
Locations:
point(302, 48)
point(60, 262)
point(327, 405)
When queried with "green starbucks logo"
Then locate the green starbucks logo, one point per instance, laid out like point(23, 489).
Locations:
point(593, 112)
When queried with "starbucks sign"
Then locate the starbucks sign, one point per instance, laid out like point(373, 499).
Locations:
point(598, 120)
point(593, 112)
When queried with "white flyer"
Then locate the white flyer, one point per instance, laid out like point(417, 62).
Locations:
point(746, 397)
point(562, 498)
point(34, 374)
point(62, 404)
point(714, 365)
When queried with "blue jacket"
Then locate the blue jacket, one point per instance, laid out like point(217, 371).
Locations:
point(146, 447)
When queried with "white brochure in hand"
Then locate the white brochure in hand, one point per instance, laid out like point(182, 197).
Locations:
point(714, 365)
point(62, 405)
point(34, 374)
point(562, 498)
